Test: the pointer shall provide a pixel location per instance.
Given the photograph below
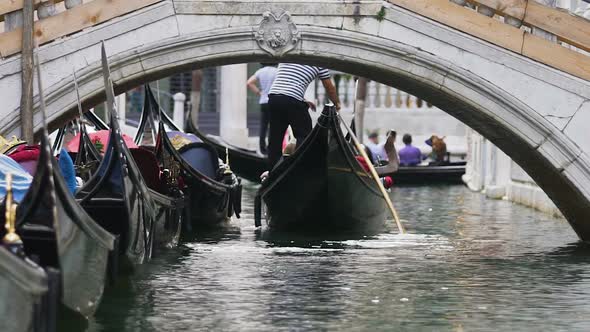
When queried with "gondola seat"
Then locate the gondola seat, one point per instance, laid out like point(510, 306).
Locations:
point(202, 157)
point(180, 139)
point(148, 165)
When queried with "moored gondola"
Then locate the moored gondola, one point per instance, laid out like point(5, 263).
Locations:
point(213, 191)
point(30, 293)
point(116, 195)
point(449, 173)
point(118, 200)
point(61, 235)
point(248, 164)
point(322, 188)
point(154, 207)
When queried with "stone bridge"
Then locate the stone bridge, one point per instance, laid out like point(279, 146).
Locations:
point(527, 94)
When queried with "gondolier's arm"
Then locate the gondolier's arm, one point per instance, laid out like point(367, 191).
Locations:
point(331, 91)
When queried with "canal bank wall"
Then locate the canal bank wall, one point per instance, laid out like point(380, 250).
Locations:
point(491, 172)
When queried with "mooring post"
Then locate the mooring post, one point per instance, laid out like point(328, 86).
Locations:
point(359, 107)
point(196, 97)
point(178, 114)
point(26, 102)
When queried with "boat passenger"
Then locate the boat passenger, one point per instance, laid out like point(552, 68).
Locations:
point(263, 77)
point(439, 149)
point(288, 105)
point(409, 155)
point(377, 149)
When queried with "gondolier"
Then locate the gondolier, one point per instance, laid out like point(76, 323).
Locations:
point(264, 77)
point(288, 105)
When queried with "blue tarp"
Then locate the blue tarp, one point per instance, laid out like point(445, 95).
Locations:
point(66, 166)
point(21, 179)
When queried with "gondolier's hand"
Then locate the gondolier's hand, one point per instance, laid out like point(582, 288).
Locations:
point(338, 107)
point(311, 105)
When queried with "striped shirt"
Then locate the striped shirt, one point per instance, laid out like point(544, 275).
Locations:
point(293, 79)
point(265, 76)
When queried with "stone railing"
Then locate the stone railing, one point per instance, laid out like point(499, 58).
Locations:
point(58, 18)
point(534, 29)
point(379, 96)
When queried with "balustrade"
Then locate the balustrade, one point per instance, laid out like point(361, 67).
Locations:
point(380, 97)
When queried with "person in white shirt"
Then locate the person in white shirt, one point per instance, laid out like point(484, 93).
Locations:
point(377, 149)
point(260, 83)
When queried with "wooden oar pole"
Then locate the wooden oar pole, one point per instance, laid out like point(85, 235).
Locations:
point(373, 172)
point(26, 102)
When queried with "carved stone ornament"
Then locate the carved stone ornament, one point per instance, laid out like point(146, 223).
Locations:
point(277, 34)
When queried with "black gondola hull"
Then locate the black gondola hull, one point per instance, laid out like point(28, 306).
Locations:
point(210, 203)
point(57, 231)
point(170, 213)
point(323, 189)
point(117, 197)
point(23, 286)
point(208, 208)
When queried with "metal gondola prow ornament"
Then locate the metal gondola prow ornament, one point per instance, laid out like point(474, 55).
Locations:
point(108, 83)
point(227, 167)
point(11, 240)
point(45, 139)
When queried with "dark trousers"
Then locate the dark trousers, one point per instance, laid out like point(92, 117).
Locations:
point(285, 111)
point(264, 121)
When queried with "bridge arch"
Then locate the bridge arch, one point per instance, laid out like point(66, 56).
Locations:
point(523, 107)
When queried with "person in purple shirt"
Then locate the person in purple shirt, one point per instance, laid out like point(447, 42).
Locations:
point(409, 155)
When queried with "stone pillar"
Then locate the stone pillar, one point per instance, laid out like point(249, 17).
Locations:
point(121, 101)
point(359, 108)
point(233, 108)
point(540, 32)
point(178, 114)
point(197, 78)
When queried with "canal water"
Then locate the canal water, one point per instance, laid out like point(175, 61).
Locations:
point(468, 264)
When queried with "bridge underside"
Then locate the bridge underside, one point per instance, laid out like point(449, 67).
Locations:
point(533, 113)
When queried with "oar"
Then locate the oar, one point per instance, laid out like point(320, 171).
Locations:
point(375, 176)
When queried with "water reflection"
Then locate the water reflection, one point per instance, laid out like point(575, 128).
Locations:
point(468, 264)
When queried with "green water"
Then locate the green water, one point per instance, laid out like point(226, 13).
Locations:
point(468, 264)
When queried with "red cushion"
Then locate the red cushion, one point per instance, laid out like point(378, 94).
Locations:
point(148, 165)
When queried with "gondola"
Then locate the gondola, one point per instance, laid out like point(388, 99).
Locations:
point(248, 164)
point(29, 295)
point(448, 173)
point(86, 159)
point(157, 193)
point(322, 188)
point(116, 195)
point(213, 191)
point(60, 234)
point(169, 201)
